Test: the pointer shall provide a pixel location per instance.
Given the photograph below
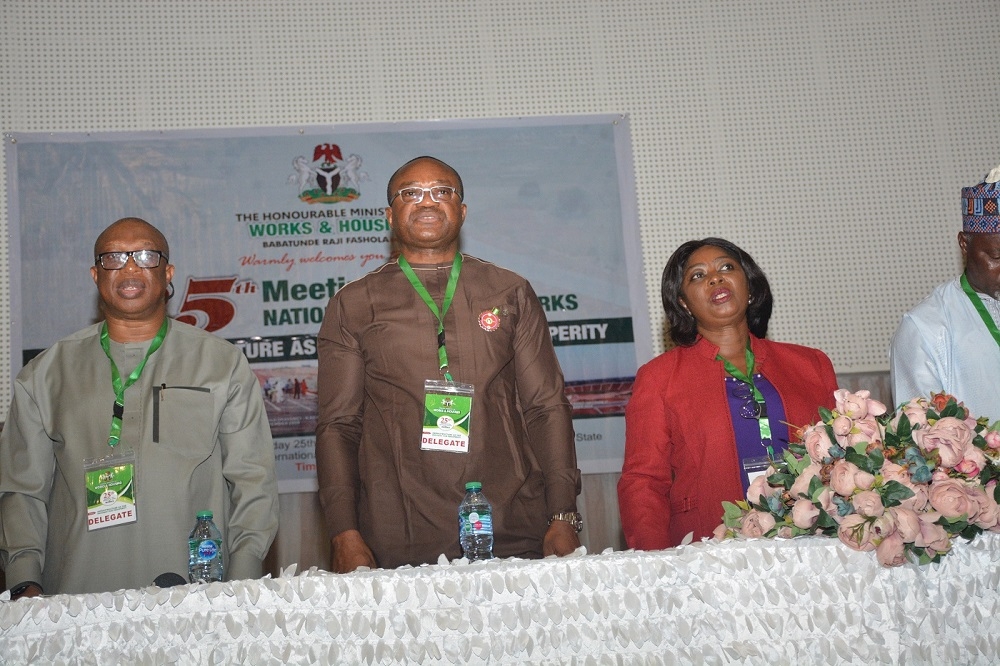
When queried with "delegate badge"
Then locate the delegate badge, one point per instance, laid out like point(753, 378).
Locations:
point(756, 466)
point(447, 415)
point(110, 484)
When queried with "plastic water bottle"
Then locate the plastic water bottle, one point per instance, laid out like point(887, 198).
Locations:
point(475, 523)
point(205, 550)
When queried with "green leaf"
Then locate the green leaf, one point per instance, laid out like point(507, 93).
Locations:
point(893, 493)
point(922, 556)
point(797, 449)
point(815, 488)
point(781, 479)
point(859, 458)
point(971, 531)
point(904, 428)
point(825, 415)
point(796, 465)
point(953, 525)
point(825, 522)
point(952, 409)
point(732, 514)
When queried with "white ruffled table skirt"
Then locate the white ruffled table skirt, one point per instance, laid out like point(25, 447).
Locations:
point(754, 602)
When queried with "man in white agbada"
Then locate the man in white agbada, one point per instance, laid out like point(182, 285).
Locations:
point(950, 341)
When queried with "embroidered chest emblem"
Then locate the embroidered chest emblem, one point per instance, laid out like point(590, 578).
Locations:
point(489, 320)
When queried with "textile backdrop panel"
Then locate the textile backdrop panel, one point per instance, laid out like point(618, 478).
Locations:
point(265, 225)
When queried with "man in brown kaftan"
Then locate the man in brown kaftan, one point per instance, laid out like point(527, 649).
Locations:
point(387, 499)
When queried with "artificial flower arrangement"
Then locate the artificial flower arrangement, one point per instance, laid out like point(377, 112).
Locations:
point(902, 484)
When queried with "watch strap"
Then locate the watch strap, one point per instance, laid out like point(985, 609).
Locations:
point(17, 591)
point(571, 517)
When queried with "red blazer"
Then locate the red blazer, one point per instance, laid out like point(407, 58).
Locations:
point(680, 449)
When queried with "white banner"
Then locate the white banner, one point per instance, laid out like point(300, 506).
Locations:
point(265, 225)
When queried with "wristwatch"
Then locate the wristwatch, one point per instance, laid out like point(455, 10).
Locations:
point(16, 592)
point(573, 518)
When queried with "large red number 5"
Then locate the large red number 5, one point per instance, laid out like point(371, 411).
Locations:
point(204, 307)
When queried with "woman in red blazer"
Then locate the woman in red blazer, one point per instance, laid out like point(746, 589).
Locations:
point(704, 416)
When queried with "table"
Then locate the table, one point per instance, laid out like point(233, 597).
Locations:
point(808, 600)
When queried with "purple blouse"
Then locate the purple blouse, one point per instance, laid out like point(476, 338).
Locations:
point(748, 440)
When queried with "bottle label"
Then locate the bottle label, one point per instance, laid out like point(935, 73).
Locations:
point(477, 523)
point(208, 549)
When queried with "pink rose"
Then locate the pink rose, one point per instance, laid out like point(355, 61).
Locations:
point(891, 552)
point(842, 478)
point(893, 472)
point(919, 501)
point(842, 426)
point(907, 523)
point(801, 484)
point(972, 462)
point(864, 480)
point(756, 524)
point(950, 437)
point(875, 408)
point(804, 513)
point(992, 438)
point(916, 413)
point(950, 499)
point(825, 500)
point(851, 405)
point(868, 503)
point(866, 431)
point(720, 532)
point(855, 531)
point(987, 511)
point(760, 489)
point(882, 527)
point(785, 532)
point(992, 507)
point(817, 442)
point(932, 536)
point(857, 405)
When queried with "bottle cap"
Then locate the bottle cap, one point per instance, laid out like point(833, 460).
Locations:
point(204, 514)
point(474, 485)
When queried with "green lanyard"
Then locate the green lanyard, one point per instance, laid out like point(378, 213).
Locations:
point(116, 379)
point(449, 294)
point(762, 422)
point(977, 302)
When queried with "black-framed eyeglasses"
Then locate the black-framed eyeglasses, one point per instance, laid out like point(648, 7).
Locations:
point(750, 409)
point(439, 194)
point(113, 261)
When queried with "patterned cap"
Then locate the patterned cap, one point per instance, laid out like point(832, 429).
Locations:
point(979, 205)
